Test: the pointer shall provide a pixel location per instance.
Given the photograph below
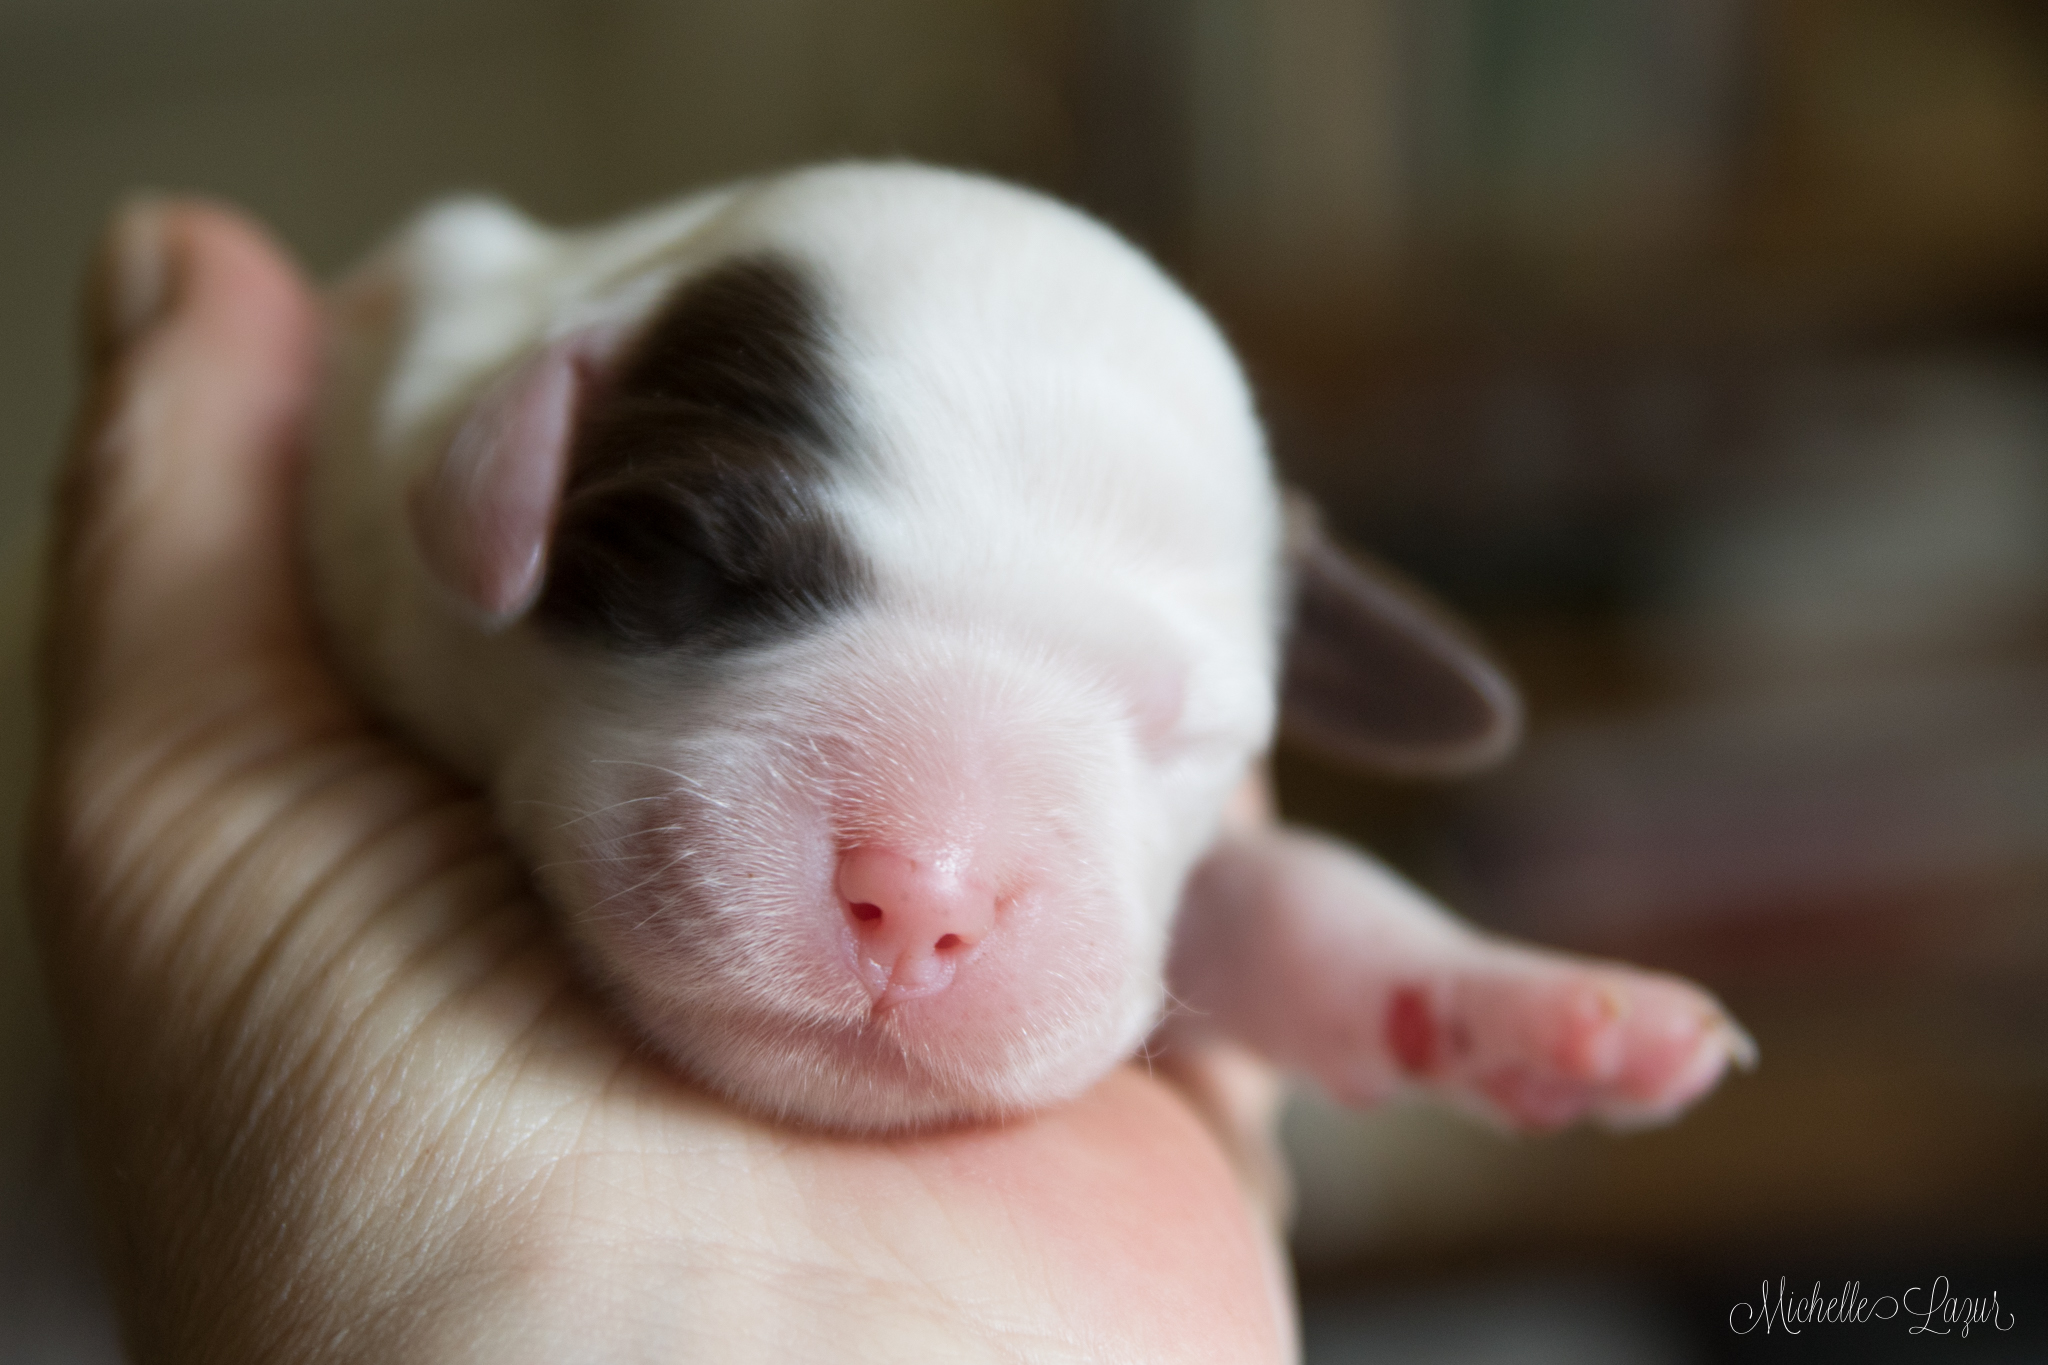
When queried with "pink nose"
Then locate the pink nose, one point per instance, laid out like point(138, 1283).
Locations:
point(913, 920)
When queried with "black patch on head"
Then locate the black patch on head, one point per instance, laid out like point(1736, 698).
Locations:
point(692, 513)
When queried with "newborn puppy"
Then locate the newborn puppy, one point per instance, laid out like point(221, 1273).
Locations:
point(861, 593)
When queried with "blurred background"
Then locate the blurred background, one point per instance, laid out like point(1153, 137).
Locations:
point(1697, 348)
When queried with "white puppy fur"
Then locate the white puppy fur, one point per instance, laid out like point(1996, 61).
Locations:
point(1061, 662)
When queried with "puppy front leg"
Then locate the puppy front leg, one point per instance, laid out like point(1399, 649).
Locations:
point(1326, 962)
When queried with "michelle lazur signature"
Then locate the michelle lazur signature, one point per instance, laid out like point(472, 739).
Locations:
point(1930, 1309)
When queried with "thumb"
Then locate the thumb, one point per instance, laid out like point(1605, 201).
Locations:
point(173, 562)
point(175, 648)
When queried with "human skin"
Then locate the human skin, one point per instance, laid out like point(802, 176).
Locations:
point(338, 1092)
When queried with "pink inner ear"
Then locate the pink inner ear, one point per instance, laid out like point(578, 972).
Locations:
point(482, 512)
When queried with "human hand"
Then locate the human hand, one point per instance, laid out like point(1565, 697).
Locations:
point(339, 1093)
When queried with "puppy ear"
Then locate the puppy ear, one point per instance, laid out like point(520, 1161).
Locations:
point(1380, 676)
point(482, 512)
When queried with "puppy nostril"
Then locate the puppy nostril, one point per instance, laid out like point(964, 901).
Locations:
point(867, 913)
point(947, 943)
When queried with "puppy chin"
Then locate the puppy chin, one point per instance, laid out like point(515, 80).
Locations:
point(888, 1074)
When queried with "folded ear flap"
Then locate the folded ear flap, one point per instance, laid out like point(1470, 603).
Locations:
point(1380, 676)
point(481, 512)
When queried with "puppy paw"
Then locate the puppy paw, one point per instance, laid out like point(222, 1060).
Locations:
point(1540, 1040)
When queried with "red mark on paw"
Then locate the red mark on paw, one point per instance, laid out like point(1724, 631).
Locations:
point(1411, 1033)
